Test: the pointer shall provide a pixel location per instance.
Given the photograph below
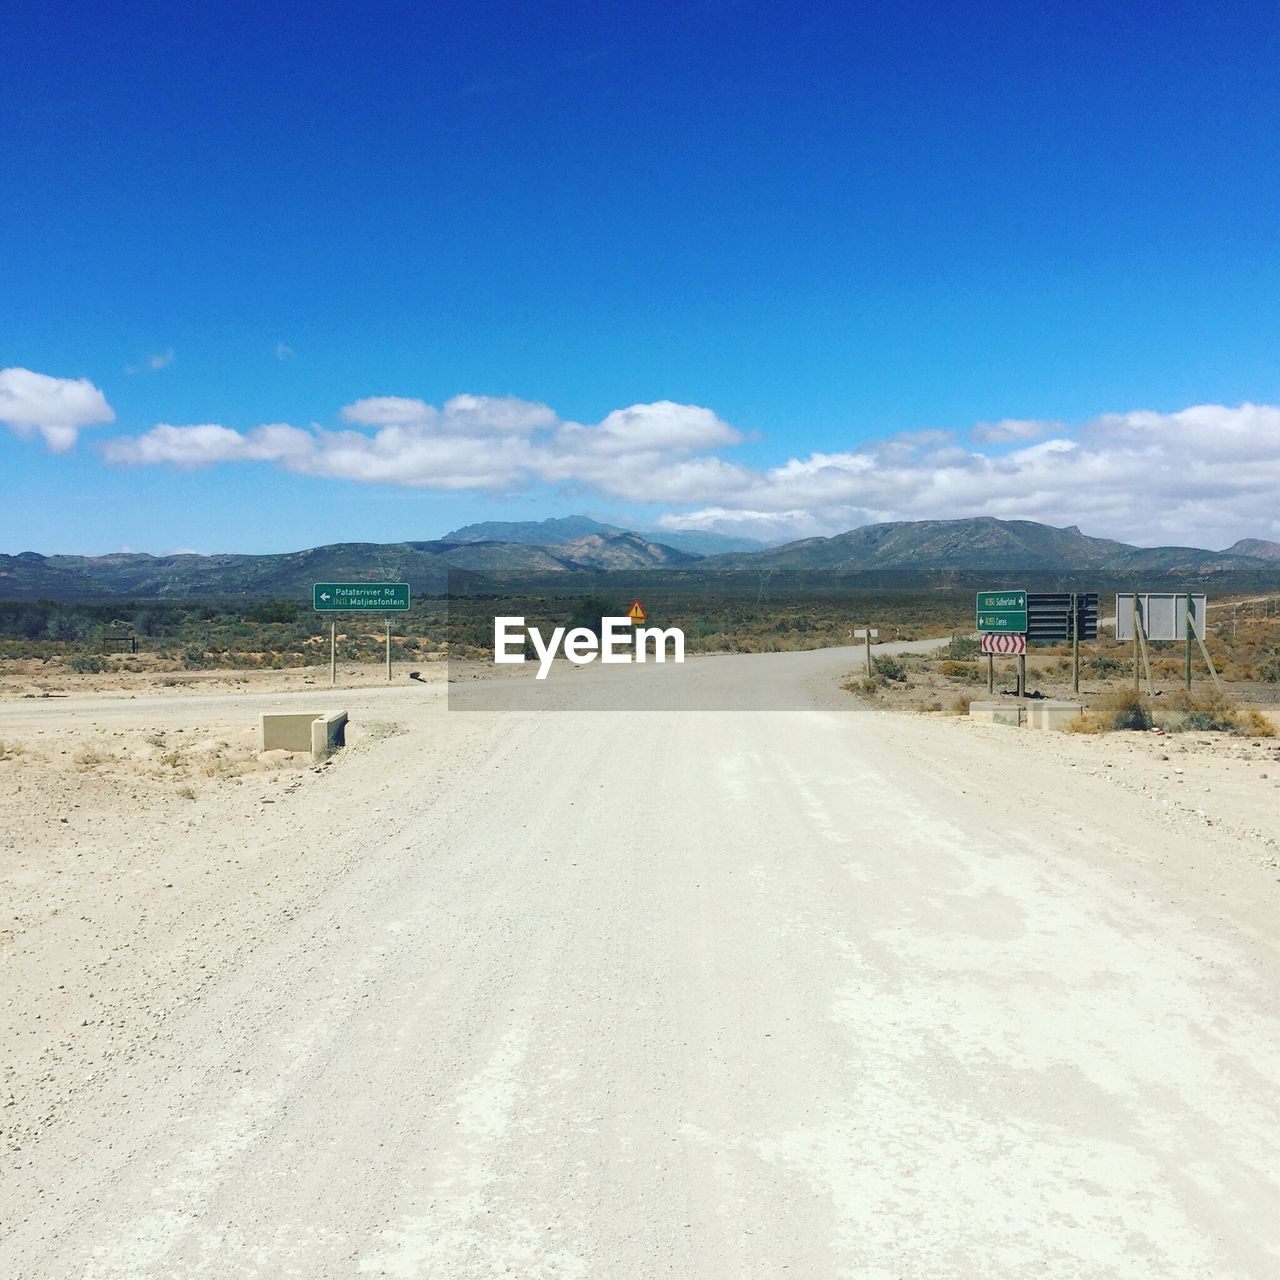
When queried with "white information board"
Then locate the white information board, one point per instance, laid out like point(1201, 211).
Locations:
point(1164, 614)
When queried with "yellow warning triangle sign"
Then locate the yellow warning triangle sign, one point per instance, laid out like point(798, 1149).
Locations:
point(636, 612)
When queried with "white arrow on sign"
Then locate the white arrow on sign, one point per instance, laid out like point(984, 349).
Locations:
point(324, 595)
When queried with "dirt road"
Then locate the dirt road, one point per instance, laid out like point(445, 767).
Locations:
point(822, 992)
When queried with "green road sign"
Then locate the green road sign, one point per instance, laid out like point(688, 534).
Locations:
point(1002, 611)
point(360, 597)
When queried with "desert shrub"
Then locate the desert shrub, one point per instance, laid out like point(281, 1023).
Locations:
point(960, 706)
point(1104, 664)
point(85, 664)
point(962, 648)
point(863, 686)
point(1123, 709)
point(889, 667)
point(1212, 712)
point(8, 750)
point(192, 657)
point(1269, 668)
point(1256, 725)
point(1086, 723)
point(960, 671)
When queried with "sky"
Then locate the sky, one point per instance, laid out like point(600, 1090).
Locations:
point(279, 275)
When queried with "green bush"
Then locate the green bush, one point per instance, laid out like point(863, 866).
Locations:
point(1123, 709)
point(889, 668)
point(85, 664)
point(1104, 664)
point(962, 648)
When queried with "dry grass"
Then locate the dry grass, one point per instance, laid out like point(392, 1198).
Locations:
point(11, 751)
point(1085, 723)
point(1210, 712)
point(1213, 712)
point(1123, 709)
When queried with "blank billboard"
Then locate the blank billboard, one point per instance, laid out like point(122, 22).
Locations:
point(1164, 614)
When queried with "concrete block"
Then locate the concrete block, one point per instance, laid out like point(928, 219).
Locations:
point(328, 733)
point(321, 734)
point(996, 713)
point(285, 732)
point(1058, 715)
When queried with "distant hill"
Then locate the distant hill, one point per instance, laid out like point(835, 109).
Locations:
point(425, 565)
point(564, 530)
point(703, 544)
point(919, 545)
point(980, 543)
point(622, 551)
point(1257, 547)
point(535, 533)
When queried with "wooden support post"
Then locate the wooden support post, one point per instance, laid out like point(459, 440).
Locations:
point(1213, 671)
point(867, 633)
point(991, 673)
point(1136, 684)
point(1140, 633)
point(333, 651)
point(388, 621)
point(1022, 675)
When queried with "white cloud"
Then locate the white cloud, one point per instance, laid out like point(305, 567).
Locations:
point(1207, 474)
point(497, 443)
point(154, 363)
point(56, 408)
point(284, 351)
point(1013, 430)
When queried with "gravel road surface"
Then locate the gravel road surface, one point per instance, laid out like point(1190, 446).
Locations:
point(814, 992)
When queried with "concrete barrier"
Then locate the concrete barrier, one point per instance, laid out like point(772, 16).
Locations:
point(1058, 715)
point(328, 733)
point(996, 713)
point(320, 734)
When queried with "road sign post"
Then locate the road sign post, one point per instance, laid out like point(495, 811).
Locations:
point(1002, 611)
point(358, 597)
point(1190, 628)
point(868, 634)
point(1003, 616)
point(1075, 643)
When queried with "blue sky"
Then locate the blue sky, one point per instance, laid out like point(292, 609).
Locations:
point(851, 234)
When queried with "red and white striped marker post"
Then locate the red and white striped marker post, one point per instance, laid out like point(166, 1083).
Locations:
point(1005, 644)
point(996, 643)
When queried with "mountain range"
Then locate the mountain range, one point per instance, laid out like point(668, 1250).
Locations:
point(577, 544)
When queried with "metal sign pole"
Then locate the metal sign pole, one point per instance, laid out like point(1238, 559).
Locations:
point(1190, 629)
point(1075, 642)
point(388, 622)
point(991, 673)
point(333, 651)
point(868, 653)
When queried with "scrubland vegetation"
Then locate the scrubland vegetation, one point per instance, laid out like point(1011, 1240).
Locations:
point(274, 634)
